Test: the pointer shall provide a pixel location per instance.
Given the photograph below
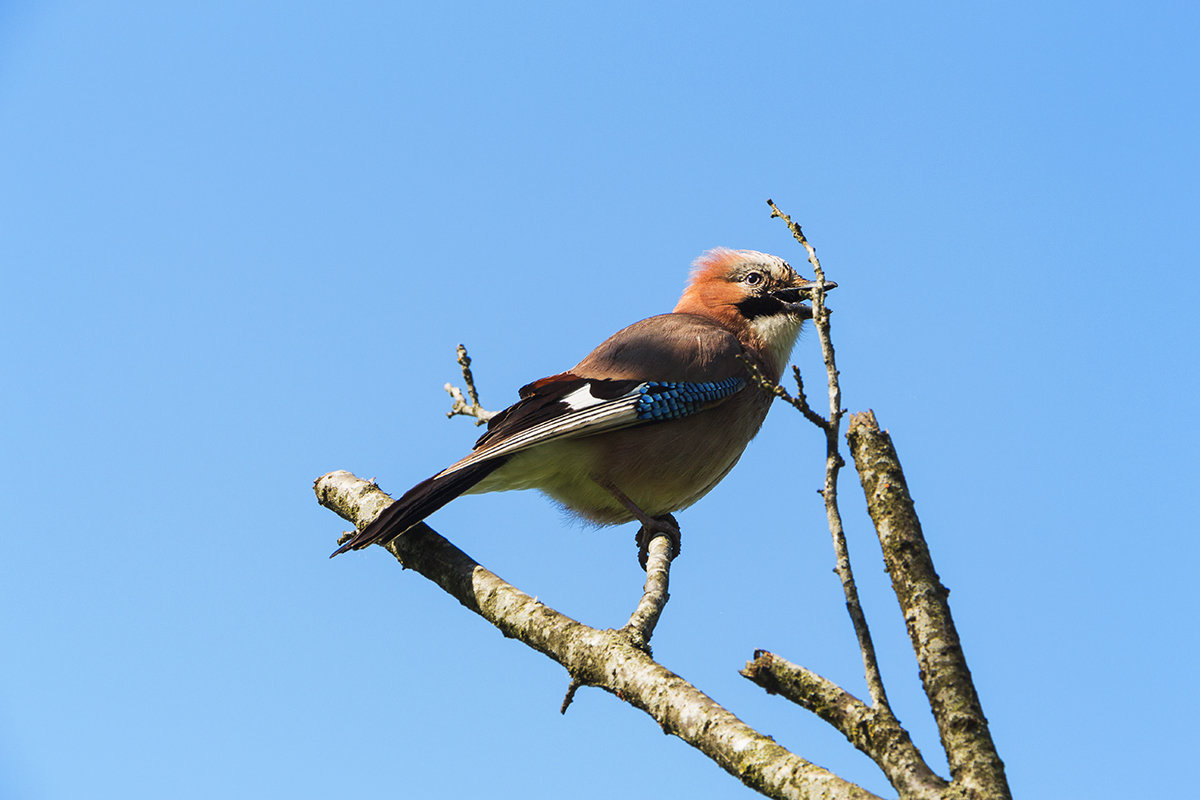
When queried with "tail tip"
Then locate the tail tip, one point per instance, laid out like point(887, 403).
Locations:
point(350, 543)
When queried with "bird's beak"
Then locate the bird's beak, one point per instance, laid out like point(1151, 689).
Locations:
point(795, 296)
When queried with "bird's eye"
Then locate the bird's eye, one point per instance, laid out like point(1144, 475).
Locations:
point(752, 278)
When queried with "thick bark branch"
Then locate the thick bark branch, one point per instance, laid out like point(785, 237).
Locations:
point(603, 658)
point(974, 762)
point(874, 731)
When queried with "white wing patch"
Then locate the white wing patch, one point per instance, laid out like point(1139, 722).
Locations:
point(581, 398)
point(589, 415)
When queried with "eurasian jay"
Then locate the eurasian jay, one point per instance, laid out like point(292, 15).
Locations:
point(651, 420)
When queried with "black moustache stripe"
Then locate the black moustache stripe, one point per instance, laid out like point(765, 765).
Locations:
point(760, 306)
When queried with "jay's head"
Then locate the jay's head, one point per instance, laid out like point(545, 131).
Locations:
point(756, 295)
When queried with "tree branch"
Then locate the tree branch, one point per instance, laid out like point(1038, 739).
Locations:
point(654, 596)
point(659, 554)
point(974, 762)
point(593, 657)
point(833, 464)
point(874, 731)
point(799, 402)
point(460, 406)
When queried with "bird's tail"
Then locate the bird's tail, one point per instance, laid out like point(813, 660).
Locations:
point(418, 503)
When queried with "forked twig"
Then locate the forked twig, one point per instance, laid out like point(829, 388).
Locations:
point(799, 402)
point(460, 405)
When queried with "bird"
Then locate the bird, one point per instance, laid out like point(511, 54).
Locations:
point(650, 421)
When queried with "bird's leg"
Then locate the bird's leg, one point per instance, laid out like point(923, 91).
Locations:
point(651, 526)
point(655, 555)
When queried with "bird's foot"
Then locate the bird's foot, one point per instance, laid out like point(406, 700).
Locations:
point(655, 526)
point(651, 526)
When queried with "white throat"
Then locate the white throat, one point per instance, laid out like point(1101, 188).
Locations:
point(778, 333)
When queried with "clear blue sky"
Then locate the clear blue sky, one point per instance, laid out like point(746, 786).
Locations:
point(239, 244)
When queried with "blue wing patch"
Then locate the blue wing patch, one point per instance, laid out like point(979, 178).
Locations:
point(665, 400)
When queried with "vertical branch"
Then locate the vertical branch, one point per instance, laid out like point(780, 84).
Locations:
point(459, 404)
point(974, 762)
point(642, 622)
point(833, 464)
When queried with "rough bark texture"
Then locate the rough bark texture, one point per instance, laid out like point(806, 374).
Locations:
point(649, 609)
point(874, 731)
point(974, 763)
point(604, 658)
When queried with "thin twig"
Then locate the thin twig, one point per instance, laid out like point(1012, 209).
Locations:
point(800, 402)
point(834, 463)
point(460, 406)
point(570, 695)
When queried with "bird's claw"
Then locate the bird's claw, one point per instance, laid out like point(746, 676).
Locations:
point(664, 525)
